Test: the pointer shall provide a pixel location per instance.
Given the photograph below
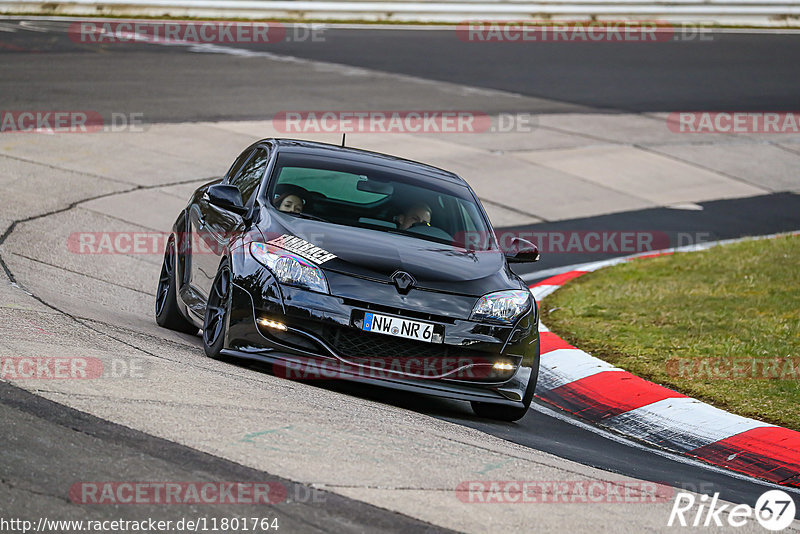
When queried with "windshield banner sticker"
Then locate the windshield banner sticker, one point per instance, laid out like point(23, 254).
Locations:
point(302, 248)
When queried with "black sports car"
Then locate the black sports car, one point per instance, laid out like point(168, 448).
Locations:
point(332, 262)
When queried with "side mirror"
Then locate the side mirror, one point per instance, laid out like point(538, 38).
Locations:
point(226, 197)
point(522, 251)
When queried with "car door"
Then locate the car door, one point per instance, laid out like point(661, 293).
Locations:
point(201, 241)
point(218, 226)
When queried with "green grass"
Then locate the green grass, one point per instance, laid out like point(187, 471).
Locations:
point(735, 304)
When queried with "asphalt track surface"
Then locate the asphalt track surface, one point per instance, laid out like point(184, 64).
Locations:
point(730, 72)
point(62, 440)
point(718, 220)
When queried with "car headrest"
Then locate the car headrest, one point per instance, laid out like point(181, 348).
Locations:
point(291, 189)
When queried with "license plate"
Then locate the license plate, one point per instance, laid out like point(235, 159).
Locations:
point(395, 326)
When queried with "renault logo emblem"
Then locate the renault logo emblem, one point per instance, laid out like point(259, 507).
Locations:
point(403, 282)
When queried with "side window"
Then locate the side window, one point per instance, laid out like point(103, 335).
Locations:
point(238, 164)
point(250, 176)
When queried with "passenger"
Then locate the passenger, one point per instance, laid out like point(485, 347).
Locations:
point(415, 214)
point(290, 203)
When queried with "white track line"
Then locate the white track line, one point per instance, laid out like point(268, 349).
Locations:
point(550, 412)
point(693, 423)
point(565, 366)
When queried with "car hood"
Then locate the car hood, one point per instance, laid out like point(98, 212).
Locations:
point(377, 255)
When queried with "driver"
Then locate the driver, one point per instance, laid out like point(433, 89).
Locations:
point(419, 213)
point(290, 203)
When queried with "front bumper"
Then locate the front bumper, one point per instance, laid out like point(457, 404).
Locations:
point(322, 340)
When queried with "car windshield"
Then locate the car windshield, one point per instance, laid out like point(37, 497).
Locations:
point(378, 198)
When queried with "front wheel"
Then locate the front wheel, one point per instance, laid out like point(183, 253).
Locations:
point(215, 323)
point(510, 413)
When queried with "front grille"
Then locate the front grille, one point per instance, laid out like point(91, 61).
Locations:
point(352, 344)
point(415, 358)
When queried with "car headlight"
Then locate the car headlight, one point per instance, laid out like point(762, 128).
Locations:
point(289, 268)
point(502, 307)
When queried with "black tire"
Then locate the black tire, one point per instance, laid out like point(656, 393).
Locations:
point(167, 313)
point(510, 413)
point(215, 323)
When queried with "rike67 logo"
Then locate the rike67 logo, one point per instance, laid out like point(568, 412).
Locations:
point(774, 510)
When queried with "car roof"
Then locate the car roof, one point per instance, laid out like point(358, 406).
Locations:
point(355, 154)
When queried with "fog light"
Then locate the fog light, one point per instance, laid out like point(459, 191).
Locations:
point(503, 366)
point(272, 324)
